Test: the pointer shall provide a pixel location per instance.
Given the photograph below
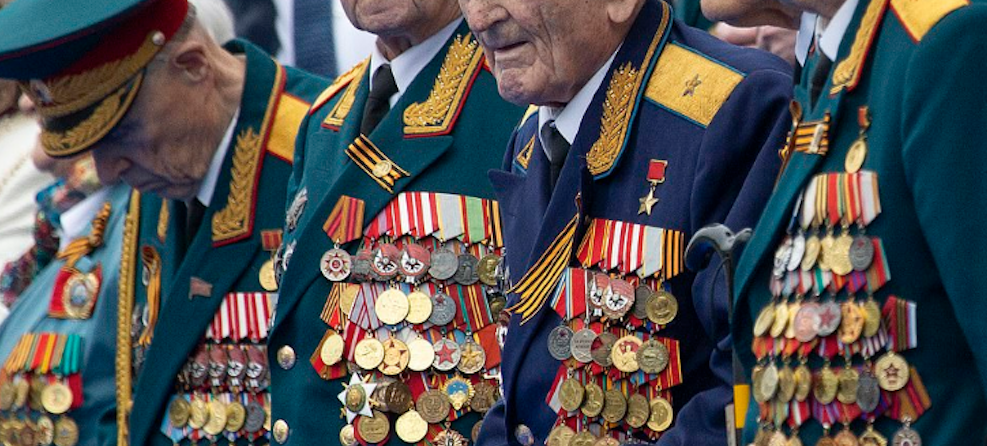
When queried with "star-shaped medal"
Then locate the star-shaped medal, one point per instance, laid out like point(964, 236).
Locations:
point(647, 202)
point(356, 398)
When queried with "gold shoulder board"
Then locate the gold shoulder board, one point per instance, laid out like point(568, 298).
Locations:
point(691, 84)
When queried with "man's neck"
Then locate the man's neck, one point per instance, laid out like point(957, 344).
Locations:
point(394, 45)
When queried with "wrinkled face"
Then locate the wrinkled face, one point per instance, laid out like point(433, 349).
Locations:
point(398, 17)
point(157, 146)
point(781, 13)
point(544, 51)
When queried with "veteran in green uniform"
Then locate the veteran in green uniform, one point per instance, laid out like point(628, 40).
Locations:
point(206, 133)
point(858, 314)
point(385, 329)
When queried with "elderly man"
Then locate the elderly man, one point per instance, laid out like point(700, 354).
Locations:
point(880, 202)
point(646, 131)
point(385, 329)
point(207, 134)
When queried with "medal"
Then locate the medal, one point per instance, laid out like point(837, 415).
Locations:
point(198, 413)
point(46, 431)
point(217, 418)
point(868, 392)
point(803, 382)
point(415, 261)
point(374, 429)
point(384, 262)
point(459, 391)
point(347, 436)
point(662, 307)
point(871, 437)
point(812, 249)
point(830, 316)
point(661, 415)
point(411, 427)
point(466, 273)
point(624, 354)
point(839, 257)
point(597, 290)
point(606, 440)
point(618, 300)
point(652, 357)
point(782, 256)
point(237, 365)
point(255, 417)
point(236, 416)
point(583, 438)
point(472, 357)
point(638, 411)
point(443, 309)
point(825, 386)
point(66, 432)
point(397, 397)
point(768, 383)
point(178, 412)
point(780, 320)
point(861, 253)
point(560, 343)
point(849, 384)
point(444, 264)
point(641, 294)
point(560, 435)
point(582, 345)
point(846, 438)
point(825, 251)
point(392, 306)
point(602, 347)
point(906, 436)
point(56, 398)
point(336, 265)
point(332, 349)
point(764, 321)
point(872, 318)
point(852, 324)
point(571, 394)
point(892, 371)
point(487, 269)
point(786, 384)
point(79, 294)
point(419, 307)
point(450, 437)
point(485, 395)
point(798, 252)
point(447, 355)
point(421, 355)
point(793, 310)
point(433, 405)
point(361, 270)
point(593, 399)
point(369, 353)
point(807, 322)
point(858, 151)
point(614, 405)
point(396, 357)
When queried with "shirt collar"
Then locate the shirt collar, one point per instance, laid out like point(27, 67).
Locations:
point(75, 220)
point(208, 186)
point(408, 64)
point(569, 117)
point(828, 38)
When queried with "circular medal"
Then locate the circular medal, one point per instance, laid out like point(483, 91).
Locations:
point(419, 307)
point(868, 392)
point(560, 343)
point(593, 399)
point(839, 262)
point(560, 435)
point(336, 265)
point(443, 309)
point(66, 432)
point(571, 394)
point(450, 437)
point(255, 417)
point(849, 381)
point(485, 395)
point(872, 318)
point(861, 253)
point(178, 412)
point(614, 406)
point(624, 354)
point(217, 418)
point(906, 436)
point(652, 357)
point(830, 316)
point(641, 295)
point(803, 382)
point(46, 431)
point(497, 305)
point(855, 156)
point(807, 322)
point(421, 354)
point(392, 306)
point(398, 397)
point(786, 384)
point(602, 346)
point(384, 262)
point(782, 256)
point(638, 411)
point(433, 405)
point(444, 264)
point(369, 353)
point(619, 299)
point(798, 251)
point(812, 249)
point(21, 390)
point(7, 395)
point(765, 319)
point(852, 324)
point(607, 440)
point(793, 310)
point(488, 269)
point(332, 349)
point(892, 371)
point(236, 416)
point(374, 429)
point(355, 398)
point(56, 398)
point(768, 383)
point(447, 355)
point(466, 273)
point(198, 413)
point(396, 357)
point(825, 386)
point(79, 295)
point(411, 427)
point(661, 415)
point(415, 261)
point(846, 438)
point(662, 307)
point(780, 320)
point(347, 436)
point(582, 345)
point(472, 357)
point(583, 438)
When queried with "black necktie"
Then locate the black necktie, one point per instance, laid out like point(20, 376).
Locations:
point(379, 101)
point(819, 75)
point(557, 147)
point(196, 211)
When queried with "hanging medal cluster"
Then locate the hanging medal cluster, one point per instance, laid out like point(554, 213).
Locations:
point(39, 385)
point(223, 388)
point(412, 316)
point(826, 274)
point(616, 372)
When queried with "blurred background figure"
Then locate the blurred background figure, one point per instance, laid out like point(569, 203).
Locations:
point(773, 39)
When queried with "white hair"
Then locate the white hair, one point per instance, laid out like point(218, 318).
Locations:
point(216, 18)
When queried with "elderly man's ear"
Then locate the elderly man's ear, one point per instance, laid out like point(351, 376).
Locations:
point(191, 61)
point(622, 11)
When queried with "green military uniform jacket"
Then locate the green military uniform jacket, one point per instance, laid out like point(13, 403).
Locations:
point(33, 315)
point(446, 130)
point(213, 295)
point(918, 67)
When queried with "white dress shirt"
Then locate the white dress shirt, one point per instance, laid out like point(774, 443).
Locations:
point(208, 186)
point(408, 64)
point(828, 37)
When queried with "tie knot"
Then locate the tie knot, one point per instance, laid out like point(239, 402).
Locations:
point(556, 144)
point(383, 85)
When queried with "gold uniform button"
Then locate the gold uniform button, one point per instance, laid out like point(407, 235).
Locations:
point(280, 431)
point(286, 357)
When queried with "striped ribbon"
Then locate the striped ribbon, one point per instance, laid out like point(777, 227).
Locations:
point(345, 222)
point(369, 158)
point(241, 316)
point(537, 284)
point(620, 246)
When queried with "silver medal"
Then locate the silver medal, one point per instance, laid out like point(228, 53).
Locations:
point(443, 309)
point(861, 253)
point(560, 343)
point(868, 392)
point(444, 264)
point(582, 345)
point(336, 265)
point(466, 273)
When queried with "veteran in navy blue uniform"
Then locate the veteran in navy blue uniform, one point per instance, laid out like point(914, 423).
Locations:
point(670, 130)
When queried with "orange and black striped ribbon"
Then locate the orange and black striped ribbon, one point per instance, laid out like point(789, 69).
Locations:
point(345, 222)
point(369, 158)
point(805, 134)
point(538, 283)
point(673, 249)
point(331, 310)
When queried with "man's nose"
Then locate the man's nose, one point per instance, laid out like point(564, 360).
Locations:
point(482, 14)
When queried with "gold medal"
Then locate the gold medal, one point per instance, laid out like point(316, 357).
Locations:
point(266, 276)
point(583, 438)
point(661, 415)
point(855, 156)
point(638, 411)
point(606, 440)
point(652, 357)
point(780, 320)
point(852, 322)
point(458, 391)
point(28, 435)
point(764, 320)
point(396, 357)
point(392, 307)
point(487, 269)
point(421, 355)
point(892, 371)
point(839, 256)
point(374, 429)
point(21, 391)
point(624, 354)
point(7, 395)
point(472, 357)
point(411, 427)
point(79, 295)
point(777, 439)
point(561, 435)
point(849, 381)
point(347, 436)
point(332, 349)
point(846, 438)
point(825, 251)
point(614, 406)
point(449, 437)
point(593, 400)
point(485, 395)
point(56, 398)
point(355, 398)
point(662, 307)
point(812, 249)
point(369, 353)
point(37, 389)
point(434, 406)
point(419, 307)
point(178, 412)
point(786, 384)
point(217, 418)
point(198, 414)
point(571, 394)
point(66, 432)
point(46, 431)
point(871, 437)
point(825, 386)
point(872, 318)
point(793, 310)
point(236, 417)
